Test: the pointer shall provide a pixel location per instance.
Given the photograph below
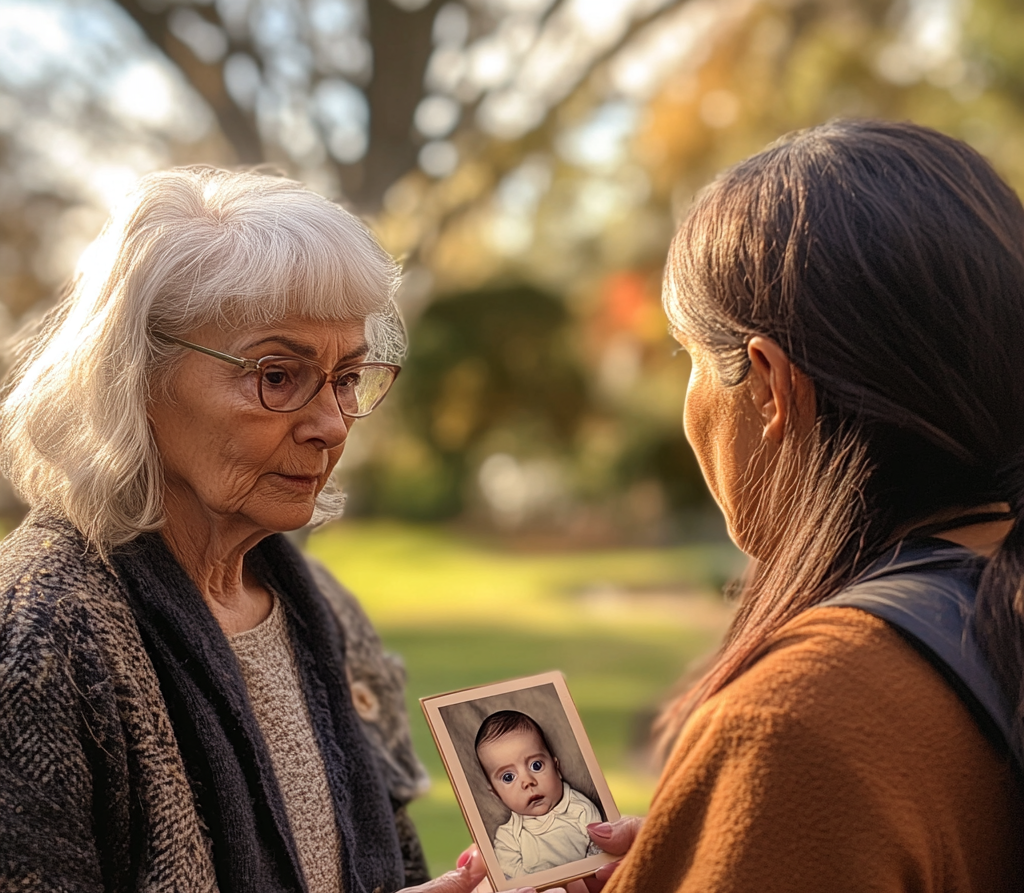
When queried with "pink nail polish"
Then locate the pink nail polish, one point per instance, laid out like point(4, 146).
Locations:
point(600, 829)
point(464, 859)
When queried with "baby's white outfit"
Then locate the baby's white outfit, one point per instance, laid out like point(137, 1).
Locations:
point(529, 843)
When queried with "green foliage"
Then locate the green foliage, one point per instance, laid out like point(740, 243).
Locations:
point(487, 361)
point(487, 370)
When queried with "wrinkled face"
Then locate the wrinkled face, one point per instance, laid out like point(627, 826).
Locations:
point(228, 462)
point(522, 772)
point(725, 432)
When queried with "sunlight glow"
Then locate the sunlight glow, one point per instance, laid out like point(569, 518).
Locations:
point(928, 45)
point(439, 158)
point(144, 91)
point(602, 20)
point(32, 32)
point(600, 142)
point(678, 39)
point(112, 182)
point(437, 115)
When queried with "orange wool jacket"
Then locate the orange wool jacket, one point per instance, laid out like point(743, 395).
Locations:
point(840, 761)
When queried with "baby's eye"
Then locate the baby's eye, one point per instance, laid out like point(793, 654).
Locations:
point(536, 765)
point(508, 777)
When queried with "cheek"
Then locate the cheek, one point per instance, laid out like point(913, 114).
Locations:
point(701, 426)
point(725, 435)
point(214, 447)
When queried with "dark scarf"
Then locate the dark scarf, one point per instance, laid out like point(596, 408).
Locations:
point(223, 749)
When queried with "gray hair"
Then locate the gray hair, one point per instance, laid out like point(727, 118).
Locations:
point(189, 247)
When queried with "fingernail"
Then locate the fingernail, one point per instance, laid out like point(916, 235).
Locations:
point(464, 859)
point(600, 829)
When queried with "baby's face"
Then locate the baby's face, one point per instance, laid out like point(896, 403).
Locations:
point(522, 772)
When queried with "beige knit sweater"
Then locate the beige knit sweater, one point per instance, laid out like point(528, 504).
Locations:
point(268, 667)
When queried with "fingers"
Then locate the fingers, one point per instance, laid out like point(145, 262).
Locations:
point(464, 879)
point(616, 837)
point(483, 887)
point(595, 882)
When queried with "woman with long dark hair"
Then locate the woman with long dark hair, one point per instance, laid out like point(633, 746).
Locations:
point(852, 299)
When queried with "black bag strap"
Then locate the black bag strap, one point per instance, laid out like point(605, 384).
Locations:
point(925, 589)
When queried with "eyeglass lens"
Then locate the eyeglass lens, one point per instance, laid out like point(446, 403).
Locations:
point(287, 384)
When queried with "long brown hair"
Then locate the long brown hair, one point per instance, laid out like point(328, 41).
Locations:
point(888, 262)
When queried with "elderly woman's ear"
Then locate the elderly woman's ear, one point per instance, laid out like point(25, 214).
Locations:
point(783, 395)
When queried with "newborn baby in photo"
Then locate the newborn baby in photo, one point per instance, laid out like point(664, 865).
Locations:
point(548, 826)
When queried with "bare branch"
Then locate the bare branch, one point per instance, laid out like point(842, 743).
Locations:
point(238, 127)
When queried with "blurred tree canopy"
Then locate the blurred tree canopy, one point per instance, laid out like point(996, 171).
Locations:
point(492, 372)
point(527, 159)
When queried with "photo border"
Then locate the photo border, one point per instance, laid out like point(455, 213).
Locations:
point(540, 880)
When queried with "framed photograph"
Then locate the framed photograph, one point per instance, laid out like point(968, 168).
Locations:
point(525, 777)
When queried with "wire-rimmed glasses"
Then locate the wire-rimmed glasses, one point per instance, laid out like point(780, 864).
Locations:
point(286, 384)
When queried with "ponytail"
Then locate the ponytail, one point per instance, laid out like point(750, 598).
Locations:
point(999, 607)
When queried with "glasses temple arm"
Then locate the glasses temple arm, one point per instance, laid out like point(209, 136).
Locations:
point(237, 361)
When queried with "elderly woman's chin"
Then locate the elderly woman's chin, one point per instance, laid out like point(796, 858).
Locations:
point(296, 504)
point(272, 502)
point(286, 514)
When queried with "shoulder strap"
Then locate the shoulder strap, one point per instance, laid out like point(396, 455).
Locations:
point(925, 590)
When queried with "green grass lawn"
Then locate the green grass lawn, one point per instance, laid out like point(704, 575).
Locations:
point(622, 625)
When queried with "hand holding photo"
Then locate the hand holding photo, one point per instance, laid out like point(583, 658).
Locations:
point(525, 777)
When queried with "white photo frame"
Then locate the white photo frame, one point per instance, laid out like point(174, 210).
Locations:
point(454, 719)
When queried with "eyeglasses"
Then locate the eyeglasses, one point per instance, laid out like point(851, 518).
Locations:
point(286, 384)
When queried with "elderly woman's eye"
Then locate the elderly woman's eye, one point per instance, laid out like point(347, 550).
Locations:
point(349, 380)
point(281, 376)
point(283, 383)
point(536, 765)
point(508, 777)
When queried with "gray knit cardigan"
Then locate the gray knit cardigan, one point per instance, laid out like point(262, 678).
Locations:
point(91, 779)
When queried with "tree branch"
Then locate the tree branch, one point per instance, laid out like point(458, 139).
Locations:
point(238, 127)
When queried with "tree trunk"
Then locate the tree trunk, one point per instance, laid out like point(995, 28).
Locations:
point(402, 42)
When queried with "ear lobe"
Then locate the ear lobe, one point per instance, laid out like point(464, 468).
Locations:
point(774, 385)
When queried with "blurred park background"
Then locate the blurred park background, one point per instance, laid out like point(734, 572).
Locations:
point(525, 500)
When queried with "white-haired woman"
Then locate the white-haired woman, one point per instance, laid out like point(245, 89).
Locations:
point(176, 712)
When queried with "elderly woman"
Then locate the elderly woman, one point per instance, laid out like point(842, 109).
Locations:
point(852, 300)
point(176, 712)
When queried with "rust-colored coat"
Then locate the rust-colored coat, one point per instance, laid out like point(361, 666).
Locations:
point(840, 761)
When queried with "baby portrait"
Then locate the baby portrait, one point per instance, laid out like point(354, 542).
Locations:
point(525, 776)
point(548, 824)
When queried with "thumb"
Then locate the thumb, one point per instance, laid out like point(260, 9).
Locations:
point(616, 837)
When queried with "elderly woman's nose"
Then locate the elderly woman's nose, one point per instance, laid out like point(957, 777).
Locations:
point(323, 420)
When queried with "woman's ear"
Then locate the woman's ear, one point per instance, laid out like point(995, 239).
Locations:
point(782, 394)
